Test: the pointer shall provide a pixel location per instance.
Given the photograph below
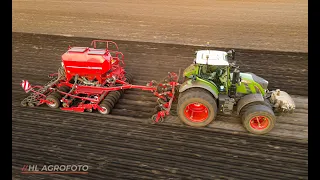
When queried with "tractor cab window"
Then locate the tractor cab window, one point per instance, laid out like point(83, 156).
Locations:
point(216, 74)
point(209, 69)
point(226, 57)
point(221, 76)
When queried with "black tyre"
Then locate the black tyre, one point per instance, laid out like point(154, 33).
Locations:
point(116, 94)
point(65, 89)
point(119, 93)
point(258, 119)
point(181, 78)
point(57, 94)
point(110, 101)
point(197, 107)
point(113, 97)
point(54, 98)
point(129, 77)
point(106, 108)
point(107, 103)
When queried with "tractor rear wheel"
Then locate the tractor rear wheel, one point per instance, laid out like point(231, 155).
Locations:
point(54, 99)
point(258, 119)
point(197, 107)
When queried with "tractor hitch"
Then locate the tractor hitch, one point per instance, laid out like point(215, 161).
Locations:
point(166, 94)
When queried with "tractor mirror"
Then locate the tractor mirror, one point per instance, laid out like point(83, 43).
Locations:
point(231, 53)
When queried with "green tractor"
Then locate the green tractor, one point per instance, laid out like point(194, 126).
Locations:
point(210, 87)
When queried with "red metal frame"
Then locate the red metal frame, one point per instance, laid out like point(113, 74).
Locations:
point(100, 65)
point(92, 63)
point(167, 106)
point(102, 92)
point(117, 52)
point(196, 112)
point(259, 122)
point(94, 43)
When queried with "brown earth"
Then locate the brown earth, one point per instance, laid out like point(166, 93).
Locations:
point(250, 24)
point(122, 145)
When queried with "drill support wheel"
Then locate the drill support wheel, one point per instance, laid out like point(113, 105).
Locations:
point(54, 98)
point(152, 120)
point(106, 108)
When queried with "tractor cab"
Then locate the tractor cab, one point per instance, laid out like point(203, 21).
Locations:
point(214, 66)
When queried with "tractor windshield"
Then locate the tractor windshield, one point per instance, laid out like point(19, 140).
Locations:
point(226, 58)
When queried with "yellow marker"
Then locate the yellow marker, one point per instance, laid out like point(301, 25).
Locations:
point(112, 61)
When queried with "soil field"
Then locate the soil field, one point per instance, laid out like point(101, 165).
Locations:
point(123, 146)
point(251, 24)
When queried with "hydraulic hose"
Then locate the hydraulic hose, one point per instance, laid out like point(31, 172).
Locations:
point(73, 87)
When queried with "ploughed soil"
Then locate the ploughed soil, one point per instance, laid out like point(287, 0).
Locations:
point(123, 145)
point(251, 24)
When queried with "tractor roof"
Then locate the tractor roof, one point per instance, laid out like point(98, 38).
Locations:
point(212, 57)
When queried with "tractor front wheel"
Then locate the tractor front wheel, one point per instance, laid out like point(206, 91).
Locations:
point(258, 119)
point(197, 107)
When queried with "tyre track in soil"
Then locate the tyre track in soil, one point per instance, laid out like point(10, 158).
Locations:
point(123, 145)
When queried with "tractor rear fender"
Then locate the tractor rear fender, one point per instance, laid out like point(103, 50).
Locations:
point(199, 83)
point(250, 98)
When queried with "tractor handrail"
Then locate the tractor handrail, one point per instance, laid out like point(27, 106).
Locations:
point(94, 44)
